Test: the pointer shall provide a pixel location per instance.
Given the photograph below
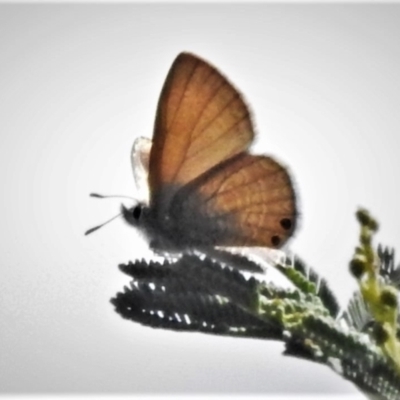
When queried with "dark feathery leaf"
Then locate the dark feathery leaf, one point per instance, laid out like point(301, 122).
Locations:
point(201, 294)
point(324, 292)
point(333, 340)
point(388, 270)
point(220, 280)
point(183, 295)
point(296, 347)
point(357, 314)
point(373, 375)
point(360, 362)
point(210, 316)
point(234, 260)
point(142, 269)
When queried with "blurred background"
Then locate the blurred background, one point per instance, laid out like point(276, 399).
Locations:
point(80, 82)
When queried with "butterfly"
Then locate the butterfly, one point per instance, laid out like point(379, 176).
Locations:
point(205, 188)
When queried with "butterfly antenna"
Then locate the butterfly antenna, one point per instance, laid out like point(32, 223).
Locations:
point(91, 230)
point(101, 196)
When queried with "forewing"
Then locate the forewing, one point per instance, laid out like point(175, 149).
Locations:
point(246, 201)
point(201, 121)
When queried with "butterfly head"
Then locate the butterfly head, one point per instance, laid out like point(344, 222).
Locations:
point(157, 233)
point(140, 217)
point(134, 215)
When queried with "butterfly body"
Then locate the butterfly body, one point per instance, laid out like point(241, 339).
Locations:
point(180, 227)
point(206, 189)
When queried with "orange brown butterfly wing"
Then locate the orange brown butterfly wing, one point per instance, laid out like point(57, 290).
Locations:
point(246, 201)
point(201, 121)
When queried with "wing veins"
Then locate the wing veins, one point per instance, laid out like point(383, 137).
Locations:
point(197, 122)
point(177, 112)
point(196, 65)
point(226, 132)
point(235, 97)
point(228, 213)
point(218, 192)
point(205, 106)
point(244, 185)
point(224, 180)
point(235, 210)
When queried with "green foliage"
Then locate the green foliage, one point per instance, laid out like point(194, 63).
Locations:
point(220, 293)
point(379, 294)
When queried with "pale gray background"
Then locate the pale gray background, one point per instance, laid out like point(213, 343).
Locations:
point(79, 83)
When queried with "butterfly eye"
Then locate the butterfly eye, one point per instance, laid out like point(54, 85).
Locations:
point(137, 212)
